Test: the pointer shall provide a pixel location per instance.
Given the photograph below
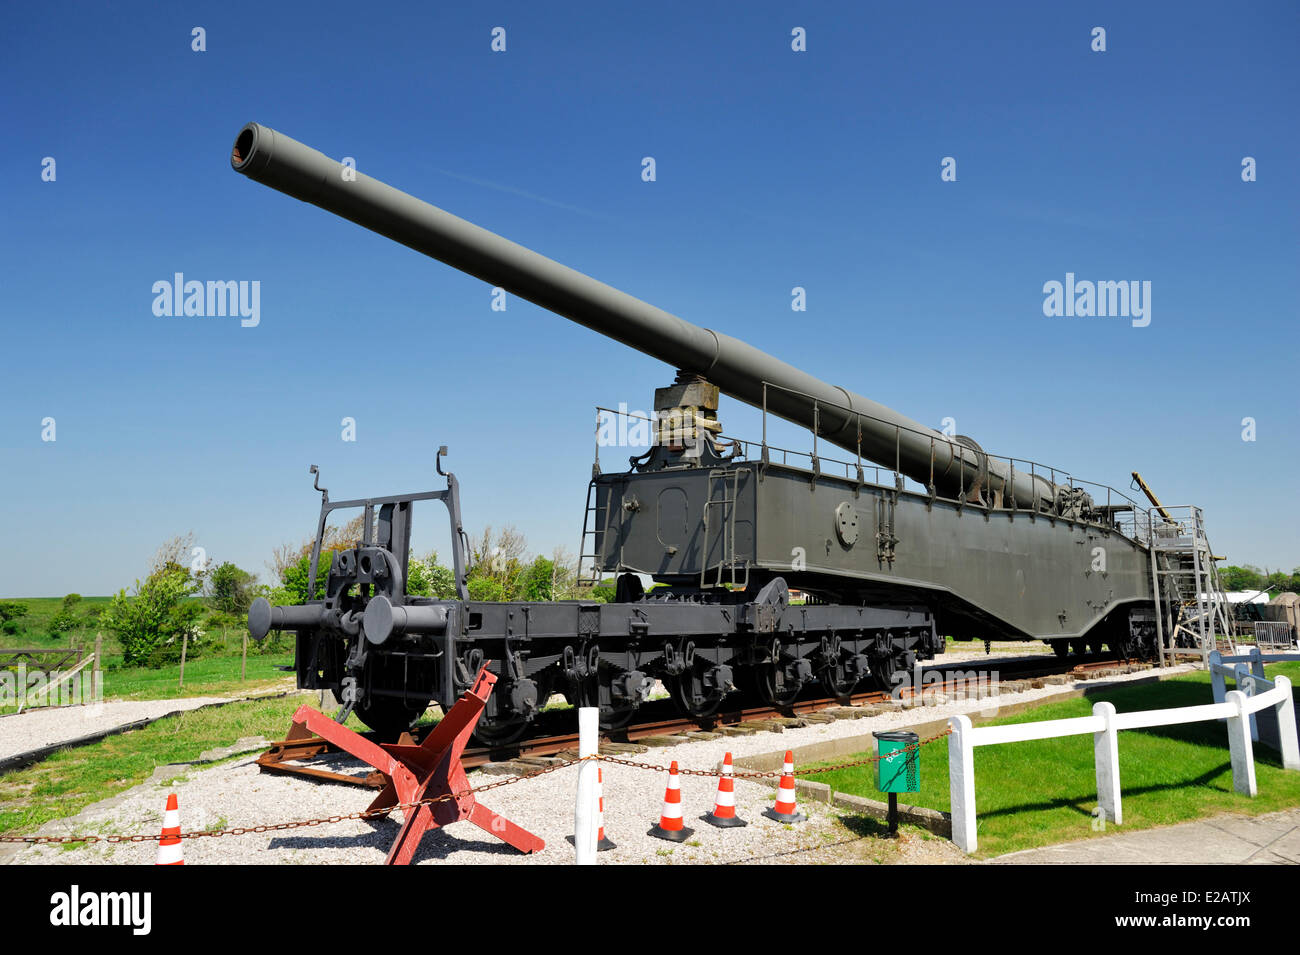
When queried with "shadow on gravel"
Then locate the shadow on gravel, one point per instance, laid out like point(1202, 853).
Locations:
point(434, 847)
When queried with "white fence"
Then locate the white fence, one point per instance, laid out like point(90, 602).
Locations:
point(1237, 707)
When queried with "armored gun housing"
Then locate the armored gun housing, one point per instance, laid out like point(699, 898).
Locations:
point(978, 546)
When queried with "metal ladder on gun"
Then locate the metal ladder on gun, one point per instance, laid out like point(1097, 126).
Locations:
point(591, 577)
point(1191, 607)
point(729, 481)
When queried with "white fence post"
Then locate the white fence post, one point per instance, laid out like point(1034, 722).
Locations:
point(961, 784)
point(584, 815)
point(1105, 747)
point(1256, 662)
point(1286, 729)
point(1216, 676)
point(1240, 750)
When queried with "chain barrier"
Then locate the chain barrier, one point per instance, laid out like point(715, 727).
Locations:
point(775, 773)
point(445, 797)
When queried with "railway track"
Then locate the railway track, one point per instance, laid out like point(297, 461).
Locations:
point(661, 723)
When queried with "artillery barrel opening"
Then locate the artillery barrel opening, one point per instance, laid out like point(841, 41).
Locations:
point(244, 144)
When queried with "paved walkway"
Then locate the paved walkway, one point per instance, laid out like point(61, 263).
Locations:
point(1229, 839)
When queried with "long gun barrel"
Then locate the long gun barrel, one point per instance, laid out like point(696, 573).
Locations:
point(849, 420)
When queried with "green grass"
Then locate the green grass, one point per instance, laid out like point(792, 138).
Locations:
point(1043, 792)
point(211, 670)
point(206, 676)
point(34, 628)
point(72, 779)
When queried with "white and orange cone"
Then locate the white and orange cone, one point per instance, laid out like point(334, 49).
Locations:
point(670, 820)
point(787, 807)
point(602, 843)
point(724, 806)
point(169, 846)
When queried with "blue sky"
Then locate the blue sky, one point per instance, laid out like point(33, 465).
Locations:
point(775, 169)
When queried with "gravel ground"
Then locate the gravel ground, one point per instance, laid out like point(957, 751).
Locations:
point(963, 651)
point(46, 726)
point(236, 793)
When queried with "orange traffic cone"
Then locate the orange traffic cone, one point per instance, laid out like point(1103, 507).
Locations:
point(169, 847)
point(724, 806)
point(787, 807)
point(670, 820)
point(602, 843)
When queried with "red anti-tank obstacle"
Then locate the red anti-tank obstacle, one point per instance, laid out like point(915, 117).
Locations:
point(426, 771)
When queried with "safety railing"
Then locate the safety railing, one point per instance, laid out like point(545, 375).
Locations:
point(1237, 708)
point(1119, 511)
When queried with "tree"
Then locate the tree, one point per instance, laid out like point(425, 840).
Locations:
point(232, 589)
point(296, 579)
point(497, 557)
point(1241, 578)
point(428, 578)
point(153, 623)
point(346, 537)
point(538, 580)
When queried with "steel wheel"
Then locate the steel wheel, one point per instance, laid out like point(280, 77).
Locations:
point(836, 682)
point(883, 670)
point(500, 733)
point(771, 687)
point(616, 717)
point(688, 692)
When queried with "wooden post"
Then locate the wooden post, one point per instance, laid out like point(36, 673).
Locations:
point(185, 645)
point(243, 660)
point(99, 649)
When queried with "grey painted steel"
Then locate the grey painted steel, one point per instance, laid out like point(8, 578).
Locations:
point(986, 571)
point(738, 369)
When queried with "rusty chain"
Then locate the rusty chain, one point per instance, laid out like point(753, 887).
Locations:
point(445, 797)
point(772, 774)
point(280, 826)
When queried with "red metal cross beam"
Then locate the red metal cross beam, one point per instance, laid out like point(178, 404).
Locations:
point(426, 771)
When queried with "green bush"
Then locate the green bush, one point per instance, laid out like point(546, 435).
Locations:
point(486, 588)
point(152, 625)
point(232, 589)
point(11, 610)
point(296, 577)
point(66, 619)
point(428, 578)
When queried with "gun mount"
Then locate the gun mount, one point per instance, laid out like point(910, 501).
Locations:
point(987, 549)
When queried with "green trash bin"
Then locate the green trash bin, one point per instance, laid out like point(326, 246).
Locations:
point(897, 771)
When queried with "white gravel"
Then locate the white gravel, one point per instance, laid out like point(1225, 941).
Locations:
point(45, 726)
point(236, 793)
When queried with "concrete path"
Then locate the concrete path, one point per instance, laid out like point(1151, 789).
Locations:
point(1229, 839)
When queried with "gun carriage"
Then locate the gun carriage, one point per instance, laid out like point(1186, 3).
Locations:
point(922, 534)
